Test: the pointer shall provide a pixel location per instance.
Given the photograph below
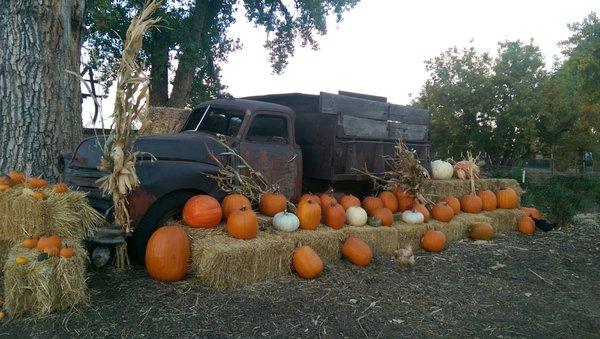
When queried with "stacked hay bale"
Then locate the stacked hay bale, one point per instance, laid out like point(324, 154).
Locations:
point(164, 120)
point(37, 282)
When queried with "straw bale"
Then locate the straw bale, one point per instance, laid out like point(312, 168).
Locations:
point(326, 241)
point(504, 220)
point(382, 240)
point(460, 226)
point(163, 120)
point(5, 246)
point(437, 189)
point(410, 234)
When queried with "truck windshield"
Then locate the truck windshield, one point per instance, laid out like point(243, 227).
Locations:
point(216, 121)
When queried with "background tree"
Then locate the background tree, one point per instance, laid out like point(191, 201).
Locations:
point(40, 108)
point(194, 39)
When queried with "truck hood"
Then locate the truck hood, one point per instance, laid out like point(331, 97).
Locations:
point(184, 146)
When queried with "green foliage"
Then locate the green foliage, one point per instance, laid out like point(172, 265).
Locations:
point(560, 197)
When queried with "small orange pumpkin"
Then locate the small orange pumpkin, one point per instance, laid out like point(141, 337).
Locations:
point(406, 202)
point(51, 251)
point(233, 202)
point(4, 187)
point(488, 200)
point(51, 241)
point(507, 198)
point(242, 224)
point(357, 251)
point(442, 212)
point(349, 200)
point(17, 177)
point(168, 253)
point(481, 231)
point(389, 201)
point(29, 243)
point(309, 214)
point(67, 252)
point(5, 180)
point(307, 262)
point(60, 188)
point(335, 215)
point(385, 215)
point(272, 203)
point(531, 212)
point(526, 225)
point(471, 203)
point(454, 203)
point(38, 196)
point(370, 204)
point(433, 241)
point(202, 211)
point(36, 183)
point(423, 209)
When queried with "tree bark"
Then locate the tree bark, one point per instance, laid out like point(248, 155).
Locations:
point(188, 60)
point(40, 103)
point(159, 70)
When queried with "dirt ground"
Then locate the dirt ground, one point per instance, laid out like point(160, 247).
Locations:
point(546, 285)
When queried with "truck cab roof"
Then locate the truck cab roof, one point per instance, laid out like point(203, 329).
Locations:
point(248, 105)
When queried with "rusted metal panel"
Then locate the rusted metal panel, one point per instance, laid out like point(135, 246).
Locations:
point(408, 132)
point(364, 128)
point(338, 104)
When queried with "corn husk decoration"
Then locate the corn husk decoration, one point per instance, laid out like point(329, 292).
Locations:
point(118, 158)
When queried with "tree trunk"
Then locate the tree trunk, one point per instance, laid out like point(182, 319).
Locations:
point(40, 103)
point(159, 70)
point(188, 61)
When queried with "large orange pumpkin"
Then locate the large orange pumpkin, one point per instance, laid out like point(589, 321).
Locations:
point(349, 200)
point(36, 183)
point(272, 203)
point(202, 211)
point(526, 225)
point(326, 199)
point(335, 215)
point(488, 200)
point(168, 254)
point(242, 224)
point(389, 201)
point(423, 209)
point(405, 202)
point(51, 251)
point(507, 198)
point(481, 231)
point(17, 177)
point(471, 203)
point(309, 214)
point(234, 202)
point(442, 212)
point(433, 241)
point(399, 193)
point(307, 262)
point(531, 212)
point(454, 203)
point(51, 241)
point(385, 215)
point(309, 196)
point(357, 251)
point(370, 204)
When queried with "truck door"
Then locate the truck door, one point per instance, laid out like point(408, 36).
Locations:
point(269, 147)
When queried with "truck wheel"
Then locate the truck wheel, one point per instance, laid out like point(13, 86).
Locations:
point(161, 212)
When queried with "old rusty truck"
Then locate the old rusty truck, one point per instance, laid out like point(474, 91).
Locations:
point(301, 142)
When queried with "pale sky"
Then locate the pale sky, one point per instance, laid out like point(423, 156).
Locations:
point(380, 46)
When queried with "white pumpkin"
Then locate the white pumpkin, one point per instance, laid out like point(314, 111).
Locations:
point(356, 216)
point(412, 217)
point(287, 222)
point(441, 170)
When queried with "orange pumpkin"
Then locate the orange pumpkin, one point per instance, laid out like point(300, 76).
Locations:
point(60, 188)
point(38, 196)
point(51, 251)
point(507, 198)
point(233, 202)
point(406, 202)
point(423, 209)
point(471, 203)
point(242, 224)
point(4, 187)
point(307, 262)
point(67, 252)
point(481, 231)
point(531, 212)
point(357, 251)
point(526, 225)
point(389, 201)
point(349, 200)
point(309, 214)
point(309, 196)
point(454, 203)
point(385, 215)
point(488, 200)
point(36, 183)
point(399, 193)
point(272, 203)
point(17, 177)
point(5, 180)
point(326, 200)
point(370, 204)
point(433, 241)
point(442, 212)
point(51, 241)
point(202, 211)
point(335, 215)
point(168, 254)
point(29, 243)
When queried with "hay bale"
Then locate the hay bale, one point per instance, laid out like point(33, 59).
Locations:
point(460, 226)
point(71, 216)
point(504, 220)
point(163, 120)
point(382, 240)
point(326, 241)
point(22, 215)
point(41, 287)
point(456, 187)
point(5, 246)
point(410, 234)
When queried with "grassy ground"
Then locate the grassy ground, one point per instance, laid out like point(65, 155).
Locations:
point(546, 285)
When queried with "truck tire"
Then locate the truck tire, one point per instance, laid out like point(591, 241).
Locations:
point(158, 214)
